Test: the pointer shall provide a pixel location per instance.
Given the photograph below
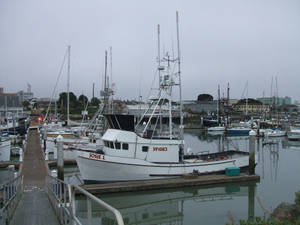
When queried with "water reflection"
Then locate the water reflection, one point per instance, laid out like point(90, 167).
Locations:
point(277, 166)
point(214, 142)
point(164, 207)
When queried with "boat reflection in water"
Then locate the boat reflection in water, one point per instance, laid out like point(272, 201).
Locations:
point(162, 207)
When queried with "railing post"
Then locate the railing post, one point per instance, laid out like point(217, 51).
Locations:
point(89, 210)
point(72, 203)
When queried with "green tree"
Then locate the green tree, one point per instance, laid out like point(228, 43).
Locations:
point(205, 97)
point(62, 101)
point(26, 105)
point(95, 101)
point(82, 100)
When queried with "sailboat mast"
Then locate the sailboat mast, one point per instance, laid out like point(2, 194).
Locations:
point(179, 76)
point(105, 84)
point(68, 86)
point(111, 80)
point(218, 106)
point(158, 52)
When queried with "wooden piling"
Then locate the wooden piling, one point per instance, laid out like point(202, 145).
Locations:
point(60, 158)
point(252, 135)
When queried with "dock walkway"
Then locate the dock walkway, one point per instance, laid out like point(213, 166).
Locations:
point(34, 206)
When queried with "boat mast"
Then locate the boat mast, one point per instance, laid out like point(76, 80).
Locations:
point(218, 106)
point(160, 79)
point(112, 100)
point(105, 85)
point(68, 86)
point(179, 76)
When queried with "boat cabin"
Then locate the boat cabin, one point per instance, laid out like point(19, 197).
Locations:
point(128, 144)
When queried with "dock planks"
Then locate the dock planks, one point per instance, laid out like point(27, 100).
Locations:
point(34, 206)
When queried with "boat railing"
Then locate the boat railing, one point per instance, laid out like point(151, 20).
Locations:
point(11, 193)
point(62, 197)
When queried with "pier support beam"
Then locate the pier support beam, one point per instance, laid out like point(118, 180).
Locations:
point(60, 157)
point(252, 138)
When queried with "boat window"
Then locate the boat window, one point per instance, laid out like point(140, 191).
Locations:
point(106, 144)
point(118, 145)
point(111, 144)
point(145, 148)
point(125, 146)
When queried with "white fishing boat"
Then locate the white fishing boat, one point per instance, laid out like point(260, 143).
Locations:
point(154, 148)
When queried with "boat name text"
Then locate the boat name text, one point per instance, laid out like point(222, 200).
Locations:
point(96, 156)
point(160, 149)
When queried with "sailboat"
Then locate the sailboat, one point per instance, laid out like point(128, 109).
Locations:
point(154, 147)
point(217, 130)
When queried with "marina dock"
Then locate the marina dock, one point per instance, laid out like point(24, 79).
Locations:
point(34, 206)
point(187, 181)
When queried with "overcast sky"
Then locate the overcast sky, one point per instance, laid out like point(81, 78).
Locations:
point(222, 41)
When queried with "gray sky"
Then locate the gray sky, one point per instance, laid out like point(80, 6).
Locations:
point(222, 41)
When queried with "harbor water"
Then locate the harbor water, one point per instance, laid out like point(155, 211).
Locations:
point(213, 205)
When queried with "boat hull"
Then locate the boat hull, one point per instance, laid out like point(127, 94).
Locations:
point(96, 168)
point(5, 150)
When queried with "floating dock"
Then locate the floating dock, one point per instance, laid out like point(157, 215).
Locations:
point(186, 181)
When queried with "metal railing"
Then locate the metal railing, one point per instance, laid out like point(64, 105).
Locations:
point(62, 197)
point(11, 193)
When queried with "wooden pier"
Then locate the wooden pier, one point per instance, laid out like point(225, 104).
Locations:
point(186, 181)
point(34, 206)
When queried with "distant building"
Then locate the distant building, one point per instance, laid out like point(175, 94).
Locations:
point(208, 107)
point(26, 96)
point(288, 108)
point(251, 106)
point(10, 102)
point(44, 102)
point(276, 101)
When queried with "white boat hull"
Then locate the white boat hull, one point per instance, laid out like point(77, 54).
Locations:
point(5, 150)
point(102, 168)
point(294, 136)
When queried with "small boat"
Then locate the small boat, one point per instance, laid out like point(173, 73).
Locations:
point(275, 133)
point(294, 135)
point(218, 130)
point(15, 151)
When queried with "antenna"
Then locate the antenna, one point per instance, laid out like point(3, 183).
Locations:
point(111, 80)
point(228, 89)
point(179, 76)
point(68, 85)
point(218, 105)
point(93, 90)
point(158, 53)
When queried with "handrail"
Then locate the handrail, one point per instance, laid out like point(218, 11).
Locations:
point(103, 204)
point(12, 192)
point(62, 198)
